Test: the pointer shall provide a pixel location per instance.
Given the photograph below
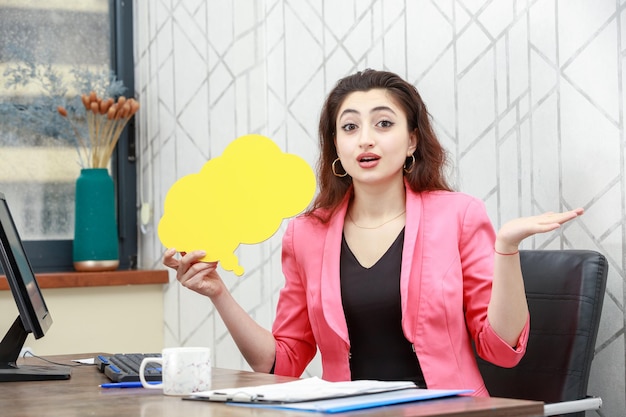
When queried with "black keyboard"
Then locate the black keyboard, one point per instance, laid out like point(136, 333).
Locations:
point(124, 367)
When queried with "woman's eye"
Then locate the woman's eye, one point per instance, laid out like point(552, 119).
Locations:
point(384, 123)
point(348, 127)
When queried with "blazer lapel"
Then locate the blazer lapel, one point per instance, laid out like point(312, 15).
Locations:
point(411, 260)
point(330, 284)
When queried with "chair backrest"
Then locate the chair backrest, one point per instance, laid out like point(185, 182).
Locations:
point(565, 292)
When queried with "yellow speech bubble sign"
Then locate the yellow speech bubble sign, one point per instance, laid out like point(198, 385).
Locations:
point(239, 197)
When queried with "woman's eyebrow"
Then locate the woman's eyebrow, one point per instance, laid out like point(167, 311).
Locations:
point(382, 108)
point(348, 111)
point(374, 110)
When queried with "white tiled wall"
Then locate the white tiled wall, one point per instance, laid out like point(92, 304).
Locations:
point(526, 95)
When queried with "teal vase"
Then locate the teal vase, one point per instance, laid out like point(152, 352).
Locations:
point(95, 229)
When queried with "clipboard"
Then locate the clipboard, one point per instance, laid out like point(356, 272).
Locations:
point(315, 394)
point(306, 389)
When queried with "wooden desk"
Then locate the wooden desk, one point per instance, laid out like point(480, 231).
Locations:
point(81, 396)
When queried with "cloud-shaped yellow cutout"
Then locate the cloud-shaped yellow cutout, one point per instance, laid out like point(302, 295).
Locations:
point(240, 197)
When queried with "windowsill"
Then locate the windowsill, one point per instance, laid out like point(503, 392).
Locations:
point(96, 279)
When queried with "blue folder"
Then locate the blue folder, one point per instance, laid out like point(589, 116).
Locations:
point(358, 402)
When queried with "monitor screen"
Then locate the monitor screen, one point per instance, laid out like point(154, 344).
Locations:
point(33, 314)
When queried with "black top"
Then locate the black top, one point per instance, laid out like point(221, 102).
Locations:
point(371, 303)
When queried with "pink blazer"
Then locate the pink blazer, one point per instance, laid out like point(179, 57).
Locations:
point(445, 284)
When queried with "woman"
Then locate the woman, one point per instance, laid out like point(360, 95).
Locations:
point(390, 273)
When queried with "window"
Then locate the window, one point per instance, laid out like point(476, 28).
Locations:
point(39, 164)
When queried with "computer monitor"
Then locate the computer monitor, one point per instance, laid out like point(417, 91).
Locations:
point(33, 315)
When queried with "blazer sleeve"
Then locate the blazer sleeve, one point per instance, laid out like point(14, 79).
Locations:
point(295, 342)
point(476, 248)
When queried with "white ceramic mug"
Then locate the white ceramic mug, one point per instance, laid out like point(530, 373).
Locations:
point(185, 370)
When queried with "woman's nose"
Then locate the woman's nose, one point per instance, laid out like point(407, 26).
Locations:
point(366, 138)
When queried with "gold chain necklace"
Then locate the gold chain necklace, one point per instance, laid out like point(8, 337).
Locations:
point(380, 225)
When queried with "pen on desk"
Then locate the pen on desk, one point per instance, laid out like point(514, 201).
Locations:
point(132, 384)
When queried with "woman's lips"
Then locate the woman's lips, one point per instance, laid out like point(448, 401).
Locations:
point(368, 160)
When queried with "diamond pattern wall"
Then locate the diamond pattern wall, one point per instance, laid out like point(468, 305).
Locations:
point(527, 96)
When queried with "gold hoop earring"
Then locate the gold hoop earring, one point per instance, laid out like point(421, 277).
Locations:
point(411, 166)
point(335, 171)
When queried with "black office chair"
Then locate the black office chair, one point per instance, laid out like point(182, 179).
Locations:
point(565, 292)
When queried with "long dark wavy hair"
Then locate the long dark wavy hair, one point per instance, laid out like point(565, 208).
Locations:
point(428, 174)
